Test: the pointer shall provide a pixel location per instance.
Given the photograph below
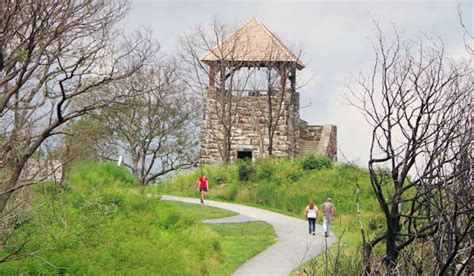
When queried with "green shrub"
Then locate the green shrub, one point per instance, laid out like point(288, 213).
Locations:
point(266, 169)
point(93, 174)
point(289, 171)
point(219, 175)
point(315, 162)
point(246, 169)
point(375, 222)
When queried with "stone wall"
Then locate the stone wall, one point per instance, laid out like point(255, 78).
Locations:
point(319, 139)
point(250, 130)
point(293, 136)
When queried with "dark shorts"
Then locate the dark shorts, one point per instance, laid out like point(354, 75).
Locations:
point(202, 189)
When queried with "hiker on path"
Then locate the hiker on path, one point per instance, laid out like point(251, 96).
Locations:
point(203, 186)
point(328, 214)
point(311, 216)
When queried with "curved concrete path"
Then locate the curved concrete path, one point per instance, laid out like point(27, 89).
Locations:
point(294, 245)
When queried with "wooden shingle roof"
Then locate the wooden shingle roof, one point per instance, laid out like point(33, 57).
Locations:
point(252, 43)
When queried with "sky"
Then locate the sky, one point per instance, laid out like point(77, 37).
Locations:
point(336, 37)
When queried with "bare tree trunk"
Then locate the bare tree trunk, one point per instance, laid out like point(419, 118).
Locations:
point(418, 105)
point(271, 129)
point(14, 177)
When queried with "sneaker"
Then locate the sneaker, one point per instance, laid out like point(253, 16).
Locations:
point(314, 234)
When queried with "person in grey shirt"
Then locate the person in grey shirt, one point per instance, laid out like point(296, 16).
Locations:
point(328, 214)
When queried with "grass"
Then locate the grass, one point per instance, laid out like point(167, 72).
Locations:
point(100, 223)
point(240, 242)
point(286, 187)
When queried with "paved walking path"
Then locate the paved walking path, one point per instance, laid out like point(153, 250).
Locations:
point(234, 219)
point(294, 245)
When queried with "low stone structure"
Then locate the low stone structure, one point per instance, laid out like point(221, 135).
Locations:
point(318, 139)
point(250, 127)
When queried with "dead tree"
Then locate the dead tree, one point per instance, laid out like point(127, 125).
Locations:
point(53, 55)
point(155, 125)
point(468, 35)
point(417, 102)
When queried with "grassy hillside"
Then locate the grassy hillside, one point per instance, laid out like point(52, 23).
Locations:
point(100, 224)
point(287, 186)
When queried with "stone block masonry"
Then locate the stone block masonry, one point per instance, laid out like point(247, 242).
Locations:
point(318, 139)
point(292, 137)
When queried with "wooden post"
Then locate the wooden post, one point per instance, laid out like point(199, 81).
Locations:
point(283, 76)
point(293, 114)
point(293, 80)
point(212, 76)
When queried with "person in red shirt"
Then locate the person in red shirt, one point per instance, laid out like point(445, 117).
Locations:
point(203, 186)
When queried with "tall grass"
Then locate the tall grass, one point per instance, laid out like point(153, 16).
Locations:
point(287, 186)
point(100, 224)
point(279, 184)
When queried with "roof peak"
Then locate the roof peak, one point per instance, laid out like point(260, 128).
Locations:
point(252, 42)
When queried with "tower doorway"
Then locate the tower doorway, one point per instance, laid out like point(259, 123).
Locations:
point(244, 155)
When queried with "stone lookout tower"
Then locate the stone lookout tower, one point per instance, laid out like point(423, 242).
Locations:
point(251, 106)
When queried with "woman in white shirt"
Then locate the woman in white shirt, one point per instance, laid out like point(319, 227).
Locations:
point(311, 215)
